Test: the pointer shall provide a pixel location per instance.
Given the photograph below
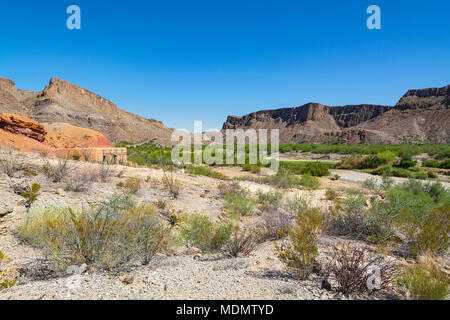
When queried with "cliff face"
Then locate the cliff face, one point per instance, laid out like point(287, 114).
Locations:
point(62, 101)
point(312, 122)
point(420, 116)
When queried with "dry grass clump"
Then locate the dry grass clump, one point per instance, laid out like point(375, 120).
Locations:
point(241, 243)
point(357, 270)
point(80, 179)
point(170, 181)
point(103, 235)
point(10, 164)
point(56, 170)
point(424, 282)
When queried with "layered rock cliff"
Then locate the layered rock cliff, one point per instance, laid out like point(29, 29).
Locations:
point(420, 116)
point(62, 101)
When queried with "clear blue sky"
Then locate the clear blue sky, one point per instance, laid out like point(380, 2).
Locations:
point(180, 61)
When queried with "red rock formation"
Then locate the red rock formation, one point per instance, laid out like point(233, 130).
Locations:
point(17, 124)
point(28, 135)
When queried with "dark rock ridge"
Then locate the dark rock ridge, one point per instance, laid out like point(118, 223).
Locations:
point(421, 116)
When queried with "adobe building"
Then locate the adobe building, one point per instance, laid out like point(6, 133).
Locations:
point(99, 155)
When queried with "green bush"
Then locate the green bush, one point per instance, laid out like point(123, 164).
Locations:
point(300, 250)
point(309, 182)
point(283, 179)
point(239, 204)
point(428, 233)
point(424, 284)
point(445, 164)
point(8, 273)
point(269, 199)
point(204, 171)
point(31, 193)
point(199, 231)
point(316, 169)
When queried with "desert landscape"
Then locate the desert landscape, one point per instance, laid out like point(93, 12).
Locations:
point(92, 207)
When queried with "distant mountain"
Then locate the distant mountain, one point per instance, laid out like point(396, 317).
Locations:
point(62, 101)
point(421, 116)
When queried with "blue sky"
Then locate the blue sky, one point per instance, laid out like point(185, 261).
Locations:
point(180, 61)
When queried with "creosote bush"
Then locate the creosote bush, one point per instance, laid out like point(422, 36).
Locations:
point(429, 234)
point(201, 232)
point(8, 273)
point(103, 236)
point(300, 250)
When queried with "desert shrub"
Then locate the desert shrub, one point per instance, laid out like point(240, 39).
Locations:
point(386, 182)
point(370, 184)
point(10, 165)
point(57, 170)
point(283, 179)
point(241, 243)
point(349, 217)
point(227, 188)
point(335, 177)
point(275, 224)
point(445, 164)
point(105, 172)
point(316, 169)
point(170, 181)
point(132, 185)
point(79, 180)
point(103, 235)
point(351, 268)
point(8, 273)
point(422, 283)
point(204, 171)
point(269, 199)
point(309, 182)
point(406, 163)
point(300, 250)
point(331, 195)
point(161, 204)
point(429, 233)
point(284, 148)
point(253, 168)
point(201, 232)
point(370, 161)
point(412, 172)
point(139, 233)
point(31, 193)
point(239, 204)
point(432, 175)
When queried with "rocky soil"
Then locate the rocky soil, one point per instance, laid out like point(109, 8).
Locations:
point(186, 273)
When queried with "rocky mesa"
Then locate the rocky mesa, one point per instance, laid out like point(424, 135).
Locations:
point(63, 102)
point(421, 116)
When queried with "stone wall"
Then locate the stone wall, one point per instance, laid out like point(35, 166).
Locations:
point(105, 155)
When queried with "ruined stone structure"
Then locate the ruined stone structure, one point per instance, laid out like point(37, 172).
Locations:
point(105, 155)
